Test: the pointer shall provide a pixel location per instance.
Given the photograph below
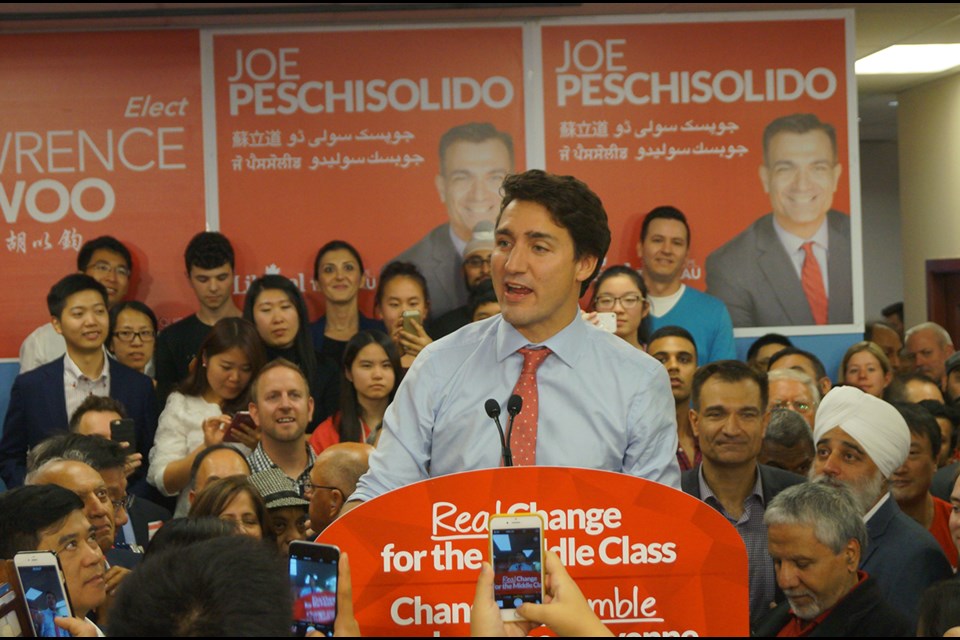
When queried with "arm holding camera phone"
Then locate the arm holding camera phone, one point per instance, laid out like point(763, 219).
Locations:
point(566, 611)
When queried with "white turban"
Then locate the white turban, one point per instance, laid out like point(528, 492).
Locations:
point(872, 422)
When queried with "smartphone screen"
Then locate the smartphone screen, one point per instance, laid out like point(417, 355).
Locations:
point(516, 544)
point(45, 598)
point(313, 578)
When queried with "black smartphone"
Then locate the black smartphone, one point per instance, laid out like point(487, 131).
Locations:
point(124, 430)
point(313, 578)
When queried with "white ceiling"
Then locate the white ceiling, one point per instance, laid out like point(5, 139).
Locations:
point(877, 26)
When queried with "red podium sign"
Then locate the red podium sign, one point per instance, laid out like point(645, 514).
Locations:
point(650, 559)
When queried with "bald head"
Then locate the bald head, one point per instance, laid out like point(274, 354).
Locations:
point(335, 474)
point(89, 486)
point(217, 462)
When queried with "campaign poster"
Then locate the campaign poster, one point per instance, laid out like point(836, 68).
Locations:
point(651, 560)
point(335, 134)
point(101, 135)
point(675, 113)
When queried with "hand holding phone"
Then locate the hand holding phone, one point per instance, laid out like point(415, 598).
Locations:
point(516, 553)
point(44, 591)
point(314, 574)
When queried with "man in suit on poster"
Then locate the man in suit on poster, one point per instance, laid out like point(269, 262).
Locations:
point(474, 159)
point(793, 265)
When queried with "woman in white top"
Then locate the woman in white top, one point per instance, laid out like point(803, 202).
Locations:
point(197, 416)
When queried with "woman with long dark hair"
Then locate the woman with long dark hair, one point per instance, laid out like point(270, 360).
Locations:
point(275, 306)
point(197, 416)
point(371, 374)
point(621, 290)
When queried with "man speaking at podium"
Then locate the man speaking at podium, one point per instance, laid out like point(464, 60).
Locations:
point(588, 398)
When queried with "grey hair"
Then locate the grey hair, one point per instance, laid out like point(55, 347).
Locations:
point(788, 428)
point(797, 376)
point(941, 333)
point(831, 511)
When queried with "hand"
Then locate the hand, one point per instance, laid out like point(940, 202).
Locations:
point(76, 627)
point(133, 462)
point(412, 344)
point(566, 612)
point(346, 624)
point(246, 435)
point(113, 577)
point(214, 429)
point(591, 317)
point(485, 620)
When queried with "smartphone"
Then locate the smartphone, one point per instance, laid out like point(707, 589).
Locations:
point(44, 591)
point(124, 430)
point(240, 417)
point(607, 320)
point(408, 316)
point(313, 578)
point(516, 553)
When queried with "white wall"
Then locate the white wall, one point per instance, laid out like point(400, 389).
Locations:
point(929, 139)
point(880, 204)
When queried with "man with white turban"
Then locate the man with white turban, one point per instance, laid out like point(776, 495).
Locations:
point(861, 440)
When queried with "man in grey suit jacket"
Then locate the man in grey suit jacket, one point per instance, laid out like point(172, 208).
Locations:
point(729, 399)
point(861, 440)
point(792, 266)
point(474, 159)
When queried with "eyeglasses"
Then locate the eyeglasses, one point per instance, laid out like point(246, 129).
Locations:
point(629, 301)
point(799, 406)
point(147, 335)
point(103, 268)
point(309, 488)
point(476, 262)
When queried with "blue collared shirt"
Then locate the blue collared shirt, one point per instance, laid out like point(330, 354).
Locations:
point(602, 405)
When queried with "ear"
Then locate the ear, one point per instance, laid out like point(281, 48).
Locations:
point(694, 423)
point(336, 503)
point(441, 184)
point(765, 178)
point(852, 555)
point(837, 171)
point(255, 412)
point(309, 409)
point(55, 321)
point(192, 496)
point(585, 266)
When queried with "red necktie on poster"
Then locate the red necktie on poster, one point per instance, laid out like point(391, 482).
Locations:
point(812, 280)
point(525, 424)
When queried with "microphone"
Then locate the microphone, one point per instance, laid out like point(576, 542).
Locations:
point(514, 405)
point(492, 407)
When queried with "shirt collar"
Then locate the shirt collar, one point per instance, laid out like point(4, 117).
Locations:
point(792, 243)
point(458, 244)
point(705, 491)
point(567, 344)
point(72, 369)
point(869, 514)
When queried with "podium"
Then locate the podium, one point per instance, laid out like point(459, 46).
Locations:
point(649, 558)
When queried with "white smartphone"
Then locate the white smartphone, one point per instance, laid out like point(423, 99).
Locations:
point(607, 320)
point(44, 591)
point(516, 553)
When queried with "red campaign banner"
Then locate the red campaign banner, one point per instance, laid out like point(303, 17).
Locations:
point(649, 558)
point(518, 583)
point(101, 135)
point(674, 114)
point(319, 607)
point(327, 135)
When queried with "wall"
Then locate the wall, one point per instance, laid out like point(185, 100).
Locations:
point(928, 130)
point(882, 253)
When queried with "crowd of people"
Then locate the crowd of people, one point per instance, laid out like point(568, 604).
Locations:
point(132, 452)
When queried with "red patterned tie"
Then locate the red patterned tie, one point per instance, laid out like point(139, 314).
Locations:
point(812, 281)
point(524, 436)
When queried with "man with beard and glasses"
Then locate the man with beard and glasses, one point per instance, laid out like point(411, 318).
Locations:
point(816, 539)
point(861, 441)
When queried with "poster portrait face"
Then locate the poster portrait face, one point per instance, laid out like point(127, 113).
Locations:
point(469, 185)
point(800, 175)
